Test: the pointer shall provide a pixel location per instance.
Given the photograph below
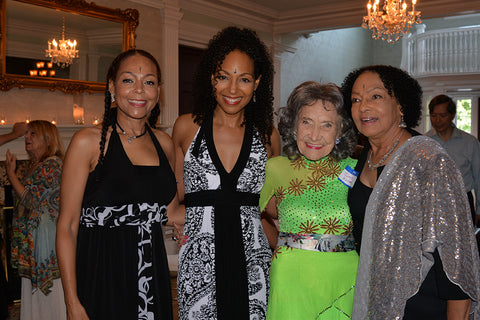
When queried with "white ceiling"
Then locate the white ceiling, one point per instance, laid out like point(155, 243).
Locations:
point(284, 16)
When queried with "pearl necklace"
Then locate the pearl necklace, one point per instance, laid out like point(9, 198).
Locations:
point(372, 166)
point(131, 138)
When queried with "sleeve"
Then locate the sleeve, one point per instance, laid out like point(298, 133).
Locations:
point(452, 228)
point(42, 191)
point(476, 171)
point(269, 185)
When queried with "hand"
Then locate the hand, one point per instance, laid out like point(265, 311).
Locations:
point(10, 163)
point(19, 129)
point(179, 236)
point(77, 312)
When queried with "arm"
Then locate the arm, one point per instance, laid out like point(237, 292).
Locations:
point(18, 130)
point(268, 215)
point(475, 163)
point(268, 205)
point(175, 211)
point(78, 162)
point(275, 144)
point(184, 131)
point(458, 309)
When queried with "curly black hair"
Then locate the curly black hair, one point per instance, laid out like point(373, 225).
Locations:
point(307, 94)
point(399, 84)
point(258, 112)
point(110, 114)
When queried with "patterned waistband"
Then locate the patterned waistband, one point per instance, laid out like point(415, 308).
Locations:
point(317, 242)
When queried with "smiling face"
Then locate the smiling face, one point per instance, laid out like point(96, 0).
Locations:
point(376, 114)
point(136, 88)
point(234, 82)
point(318, 126)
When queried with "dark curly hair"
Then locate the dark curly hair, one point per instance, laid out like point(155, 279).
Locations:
point(110, 114)
point(258, 112)
point(307, 94)
point(399, 84)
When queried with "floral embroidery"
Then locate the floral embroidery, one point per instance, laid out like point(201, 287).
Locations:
point(296, 187)
point(331, 225)
point(316, 183)
point(308, 227)
point(299, 163)
point(348, 228)
point(280, 194)
point(332, 169)
point(318, 168)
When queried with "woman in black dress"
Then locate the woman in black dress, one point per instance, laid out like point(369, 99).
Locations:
point(114, 199)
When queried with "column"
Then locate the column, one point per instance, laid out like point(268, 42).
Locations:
point(170, 28)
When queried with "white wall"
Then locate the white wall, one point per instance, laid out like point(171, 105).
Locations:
point(326, 56)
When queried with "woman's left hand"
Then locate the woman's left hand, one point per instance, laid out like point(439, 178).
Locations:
point(10, 163)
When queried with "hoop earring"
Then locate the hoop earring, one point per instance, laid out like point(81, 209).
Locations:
point(113, 97)
point(402, 123)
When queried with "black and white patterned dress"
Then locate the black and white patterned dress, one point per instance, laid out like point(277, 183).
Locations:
point(122, 269)
point(223, 267)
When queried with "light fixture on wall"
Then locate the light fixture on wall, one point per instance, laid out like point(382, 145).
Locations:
point(62, 52)
point(391, 23)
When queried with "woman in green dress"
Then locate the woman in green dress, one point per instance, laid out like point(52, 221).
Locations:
point(314, 266)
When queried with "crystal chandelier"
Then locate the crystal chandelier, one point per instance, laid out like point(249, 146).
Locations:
point(62, 52)
point(391, 23)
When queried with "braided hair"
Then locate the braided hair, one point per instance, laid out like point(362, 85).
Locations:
point(110, 114)
point(258, 112)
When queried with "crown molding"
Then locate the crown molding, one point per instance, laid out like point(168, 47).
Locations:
point(230, 13)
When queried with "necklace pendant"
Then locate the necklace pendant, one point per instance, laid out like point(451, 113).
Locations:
point(129, 139)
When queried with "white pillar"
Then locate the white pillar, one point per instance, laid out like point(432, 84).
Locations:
point(170, 26)
point(277, 50)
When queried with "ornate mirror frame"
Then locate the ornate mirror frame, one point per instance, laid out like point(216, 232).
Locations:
point(128, 17)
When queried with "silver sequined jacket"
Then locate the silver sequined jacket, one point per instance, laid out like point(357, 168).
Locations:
point(418, 204)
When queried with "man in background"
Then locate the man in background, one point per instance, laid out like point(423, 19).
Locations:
point(461, 146)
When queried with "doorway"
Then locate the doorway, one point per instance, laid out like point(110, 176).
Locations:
point(188, 61)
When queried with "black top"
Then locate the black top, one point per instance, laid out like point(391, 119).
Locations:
point(122, 267)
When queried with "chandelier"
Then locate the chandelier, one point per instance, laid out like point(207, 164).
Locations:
point(62, 52)
point(391, 23)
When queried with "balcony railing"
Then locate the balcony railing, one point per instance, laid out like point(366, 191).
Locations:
point(443, 52)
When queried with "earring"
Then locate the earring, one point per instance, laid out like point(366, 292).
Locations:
point(294, 134)
point(337, 141)
point(402, 123)
point(113, 97)
point(254, 97)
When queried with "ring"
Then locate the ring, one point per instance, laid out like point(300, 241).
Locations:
point(174, 238)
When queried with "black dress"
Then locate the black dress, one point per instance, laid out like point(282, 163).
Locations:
point(430, 302)
point(122, 269)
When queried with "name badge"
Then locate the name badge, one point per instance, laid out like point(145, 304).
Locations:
point(348, 177)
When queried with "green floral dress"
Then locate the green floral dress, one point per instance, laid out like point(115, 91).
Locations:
point(312, 204)
point(34, 225)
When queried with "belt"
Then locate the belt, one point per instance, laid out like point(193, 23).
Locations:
point(317, 242)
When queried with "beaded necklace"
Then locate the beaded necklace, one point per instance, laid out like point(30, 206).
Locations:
point(372, 166)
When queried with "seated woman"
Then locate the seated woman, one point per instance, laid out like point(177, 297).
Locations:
point(315, 264)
